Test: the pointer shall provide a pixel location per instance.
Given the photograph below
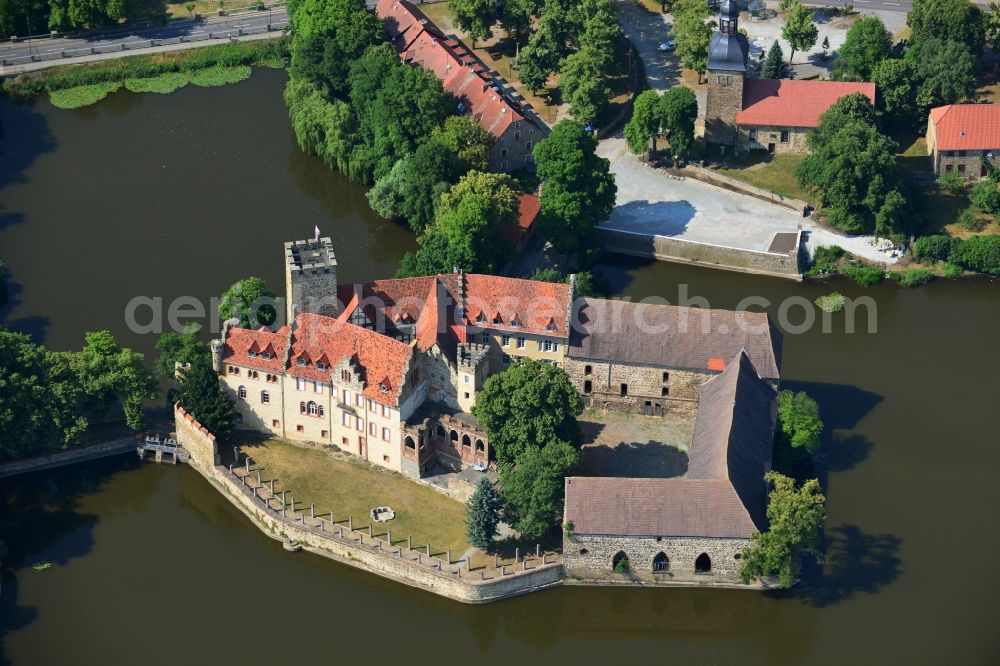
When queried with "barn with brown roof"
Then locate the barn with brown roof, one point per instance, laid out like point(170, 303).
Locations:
point(692, 528)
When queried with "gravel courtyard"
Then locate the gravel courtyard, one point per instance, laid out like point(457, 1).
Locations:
point(629, 445)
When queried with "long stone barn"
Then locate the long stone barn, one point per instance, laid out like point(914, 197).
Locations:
point(690, 529)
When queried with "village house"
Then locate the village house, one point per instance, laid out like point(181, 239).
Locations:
point(762, 114)
point(961, 138)
point(389, 370)
point(692, 528)
point(419, 42)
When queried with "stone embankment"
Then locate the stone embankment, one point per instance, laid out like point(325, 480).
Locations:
point(302, 530)
point(61, 458)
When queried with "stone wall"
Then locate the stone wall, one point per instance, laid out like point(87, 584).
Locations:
point(589, 558)
point(691, 252)
point(968, 163)
point(196, 440)
point(355, 548)
point(736, 185)
point(68, 457)
point(767, 134)
point(648, 387)
point(725, 99)
point(512, 151)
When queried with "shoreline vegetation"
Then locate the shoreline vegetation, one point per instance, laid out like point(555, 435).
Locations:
point(76, 86)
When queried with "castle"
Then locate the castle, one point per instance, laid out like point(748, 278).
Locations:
point(389, 371)
point(747, 114)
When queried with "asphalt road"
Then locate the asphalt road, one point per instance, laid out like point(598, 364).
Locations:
point(187, 28)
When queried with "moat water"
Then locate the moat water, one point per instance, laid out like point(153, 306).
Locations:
point(183, 194)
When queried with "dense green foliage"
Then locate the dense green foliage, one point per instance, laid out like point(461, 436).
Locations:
point(475, 17)
point(896, 87)
point(578, 188)
point(985, 195)
point(528, 406)
point(945, 70)
point(585, 281)
point(864, 275)
point(935, 248)
point(48, 399)
point(799, 430)
point(482, 514)
point(163, 84)
point(913, 277)
point(774, 66)
point(21, 17)
point(202, 395)
point(867, 44)
point(692, 32)
point(81, 96)
point(249, 301)
point(795, 516)
point(978, 253)
point(947, 20)
point(466, 229)
point(533, 487)
point(671, 116)
point(853, 168)
point(212, 77)
point(183, 347)
point(799, 30)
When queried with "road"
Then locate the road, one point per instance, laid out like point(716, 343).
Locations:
point(180, 30)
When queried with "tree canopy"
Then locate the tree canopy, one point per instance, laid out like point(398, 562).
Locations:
point(250, 301)
point(693, 33)
point(853, 167)
point(945, 70)
point(799, 429)
point(795, 516)
point(644, 125)
point(799, 30)
point(475, 17)
point(867, 44)
point(203, 396)
point(183, 347)
point(947, 20)
point(579, 189)
point(678, 112)
point(774, 66)
point(482, 514)
point(533, 487)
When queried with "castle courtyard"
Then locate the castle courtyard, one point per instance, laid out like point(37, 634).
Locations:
point(631, 445)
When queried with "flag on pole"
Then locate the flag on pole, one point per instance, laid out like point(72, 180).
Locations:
point(317, 233)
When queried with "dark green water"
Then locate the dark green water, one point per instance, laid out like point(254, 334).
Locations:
point(152, 566)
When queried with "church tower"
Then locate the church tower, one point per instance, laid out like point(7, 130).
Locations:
point(727, 67)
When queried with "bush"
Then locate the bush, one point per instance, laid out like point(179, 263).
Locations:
point(952, 183)
point(969, 221)
point(979, 253)
point(953, 271)
point(935, 248)
point(915, 276)
point(824, 260)
point(864, 275)
point(986, 196)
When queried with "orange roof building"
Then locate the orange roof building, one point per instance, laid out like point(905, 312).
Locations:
point(477, 91)
point(964, 139)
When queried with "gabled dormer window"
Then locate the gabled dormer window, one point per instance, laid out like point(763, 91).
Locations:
point(497, 319)
point(252, 354)
point(515, 322)
point(321, 365)
point(265, 356)
point(383, 388)
point(301, 362)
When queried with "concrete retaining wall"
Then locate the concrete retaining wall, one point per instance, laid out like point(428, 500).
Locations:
point(691, 252)
point(736, 185)
point(355, 548)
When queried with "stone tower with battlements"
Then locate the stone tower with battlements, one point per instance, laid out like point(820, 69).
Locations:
point(310, 278)
point(727, 68)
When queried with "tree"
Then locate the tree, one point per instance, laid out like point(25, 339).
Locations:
point(693, 33)
point(825, 45)
point(947, 20)
point(581, 77)
point(991, 25)
point(482, 514)
point(321, 127)
point(946, 71)
point(533, 487)
point(250, 301)
point(896, 86)
point(678, 111)
point(799, 30)
point(541, 56)
point(867, 44)
point(799, 430)
point(475, 17)
point(189, 6)
point(203, 396)
point(466, 142)
point(985, 196)
point(644, 126)
point(795, 517)
point(774, 66)
point(108, 373)
point(528, 406)
point(853, 167)
point(183, 347)
point(327, 36)
point(516, 18)
point(579, 189)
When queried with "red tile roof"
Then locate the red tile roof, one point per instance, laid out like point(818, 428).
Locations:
point(967, 127)
point(515, 305)
point(788, 103)
point(528, 210)
point(241, 340)
point(420, 42)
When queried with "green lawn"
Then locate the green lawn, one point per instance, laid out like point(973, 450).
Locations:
point(350, 487)
point(776, 174)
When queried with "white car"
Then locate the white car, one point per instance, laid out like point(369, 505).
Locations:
point(668, 45)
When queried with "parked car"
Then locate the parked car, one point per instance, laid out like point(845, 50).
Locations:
point(668, 45)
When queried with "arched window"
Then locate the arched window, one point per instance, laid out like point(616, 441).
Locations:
point(661, 562)
point(454, 436)
point(409, 443)
point(242, 392)
point(703, 564)
point(302, 407)
point(441, 431)
point(480, 447)
point(312, 408)
point(466, 440)
point(619, 563)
